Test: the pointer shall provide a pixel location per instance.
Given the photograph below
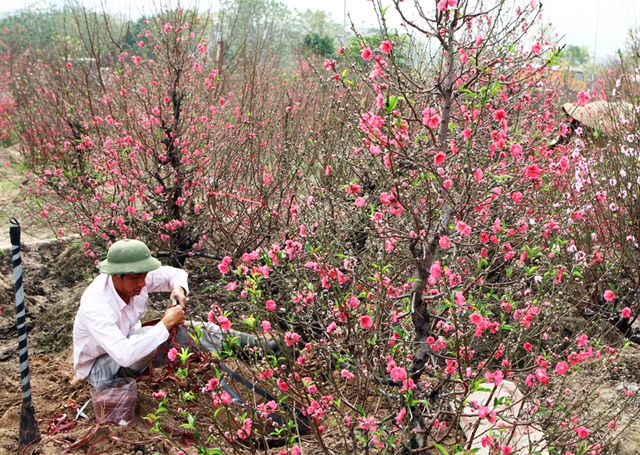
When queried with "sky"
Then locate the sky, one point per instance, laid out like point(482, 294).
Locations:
point(599, 24)
point(575, 20)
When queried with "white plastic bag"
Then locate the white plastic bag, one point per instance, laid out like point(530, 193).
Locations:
point(114, 401)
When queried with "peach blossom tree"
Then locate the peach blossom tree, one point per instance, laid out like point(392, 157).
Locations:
point(402, 218)
point(437, 248)
point(171, 140)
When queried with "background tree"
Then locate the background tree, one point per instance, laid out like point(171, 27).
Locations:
point(576, 55)
point(317, 21)
point(320, 45)
point(319, 32)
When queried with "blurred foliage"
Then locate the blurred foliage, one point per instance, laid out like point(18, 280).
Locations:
point(321, 45)
point(576, 55)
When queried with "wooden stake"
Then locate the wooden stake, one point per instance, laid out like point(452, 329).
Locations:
point(29, 431)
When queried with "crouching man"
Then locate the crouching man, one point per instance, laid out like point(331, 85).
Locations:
point(108, 338)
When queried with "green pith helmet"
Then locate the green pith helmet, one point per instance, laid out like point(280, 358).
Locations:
point(128, 256)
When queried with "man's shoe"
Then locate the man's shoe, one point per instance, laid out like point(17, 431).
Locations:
point(246, 340)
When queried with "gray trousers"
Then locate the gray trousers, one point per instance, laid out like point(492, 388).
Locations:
point(105, 368)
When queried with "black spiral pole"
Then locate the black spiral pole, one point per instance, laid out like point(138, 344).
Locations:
point(29, 431)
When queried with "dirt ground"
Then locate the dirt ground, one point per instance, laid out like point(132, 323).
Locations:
point(55, 275)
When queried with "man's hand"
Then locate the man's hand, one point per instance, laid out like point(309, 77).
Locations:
point(178, 297)
point(173, 317)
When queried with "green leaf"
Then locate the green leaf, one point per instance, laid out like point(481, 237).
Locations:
point(468, 94)
point(501, 178)
point(531, 270)
point(250, 321)
point(392, 101)
point(533, 252)
point(441, 448)
point(496, 88)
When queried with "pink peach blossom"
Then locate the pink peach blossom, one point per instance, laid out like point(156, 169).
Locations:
point(582, 432)
point(444, 242)
point(430, 117)
point(365, 321)
point(347, 375)
point(386, 47)
point(398, 374)
point(224, 322)
point(562, 367)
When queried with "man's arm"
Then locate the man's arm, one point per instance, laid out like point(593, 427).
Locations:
point(178, 297)
point(101, 323)
point(173, 316)
point(168, 279)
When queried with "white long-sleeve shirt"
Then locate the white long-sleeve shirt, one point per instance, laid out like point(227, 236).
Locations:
point(104, 320)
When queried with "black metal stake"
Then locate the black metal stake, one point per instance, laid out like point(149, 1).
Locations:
point(29, 431)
